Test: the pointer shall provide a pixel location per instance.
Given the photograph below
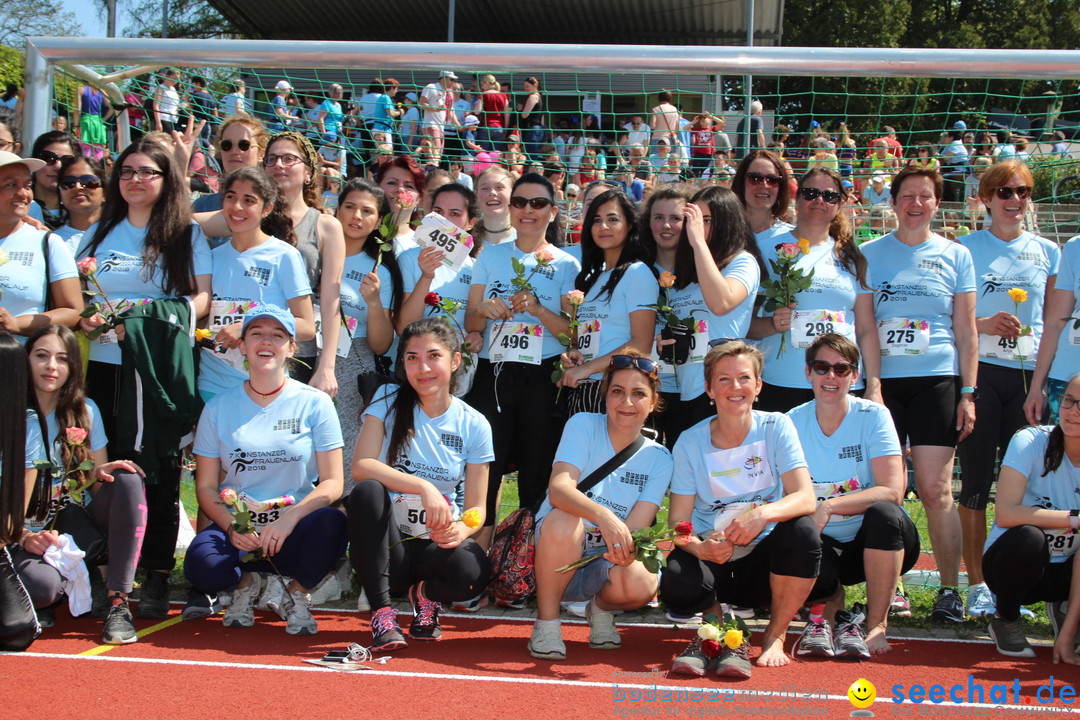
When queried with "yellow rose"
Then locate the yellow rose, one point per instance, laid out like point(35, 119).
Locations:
point(733, 639)
point(804, 246)
point(472, 518)
point(203, 334)
point(708, 631)
point(1018, 295)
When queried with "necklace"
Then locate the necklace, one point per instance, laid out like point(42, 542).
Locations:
point(272, 392)
point(501, 230)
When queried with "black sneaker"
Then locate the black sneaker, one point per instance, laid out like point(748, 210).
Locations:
point(119, 626)
point(692, 660)
point(1008, 636)
point(734, 663)
point(425, 622)
point(154, 596)
point(200, 605)
point(1056, 612)
point(850, 640)
point(385, 631)
point(949, 606)
point(46, 617)
point(816, 640)
point(99, 596)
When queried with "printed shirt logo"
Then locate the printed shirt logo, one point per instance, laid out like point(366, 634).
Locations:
point(355, 276)
point(290, 424)
point(752, 462)
point(23, 257)
point(451, 441)
point(932, 265)
point(851, 451)
point(638, 480)
point(260, 275)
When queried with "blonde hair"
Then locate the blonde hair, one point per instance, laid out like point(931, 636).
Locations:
point(732, 349)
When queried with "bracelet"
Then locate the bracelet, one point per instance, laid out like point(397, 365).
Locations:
point(1074, 520)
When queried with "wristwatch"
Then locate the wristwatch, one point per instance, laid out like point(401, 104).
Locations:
point(969, 390)
point(1074, 520)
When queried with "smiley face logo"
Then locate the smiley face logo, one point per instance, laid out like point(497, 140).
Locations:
point(862, 693)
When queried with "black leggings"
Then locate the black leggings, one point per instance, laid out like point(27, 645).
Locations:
point(689, 585)
point(1018, 571)
point(449, 575)
point(885, 526)
point(162, 496)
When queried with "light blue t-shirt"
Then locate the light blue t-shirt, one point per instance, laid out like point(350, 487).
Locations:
point(268, 452)
point(493, 272)
point(271, 273)
point(1060, 490)
point(828, 305)
point(767, 239)
point(22, 277)
point(915, 288)
point(72, 237)
point(96, 440)
point(440, 447)
point(727, 483)
point(210, 203)
point(123, 274)
point(275, 122)
point(840, 463)
point(1027, 263)
point(334, 116)
point(353, 303)
point(447, 284)
point(644, 477)
point(1067, 359)
point(735, 324)
point(35, 448)
point(609, 315)
point(381, 120)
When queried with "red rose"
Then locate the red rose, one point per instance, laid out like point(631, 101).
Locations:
point(684, 528)
point(711, 648)
point(432, 299)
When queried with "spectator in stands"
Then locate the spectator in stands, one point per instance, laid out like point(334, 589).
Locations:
point(331, 114)
point(823, 154)
point(167, 102)
point(204, 108)
point(532, 119)
point(493, 109)
point(881, 159)
point(889, 136)
point(281, 118)
point(1004, 150)
point(410, 122)
point(638, 131)
point(236, 102)
point(88, 120)
point(847, 152)
point(1022, 153)
point(755, 137)
point(664, 122)
point(1061, 147)
point(924, 157)
point(702, 142)
point(877, 192)
point(437, 103)
point(954, 161)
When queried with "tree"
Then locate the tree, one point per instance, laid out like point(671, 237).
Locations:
point(20, 19)
point(187, 19)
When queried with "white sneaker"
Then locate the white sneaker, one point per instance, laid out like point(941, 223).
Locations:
point(275, 598)
point(980, 601)
point(362, 603)
point(328, 590)
point(241, 611)
point(546, 642)
point(575, 608)
point(602, 632)
point(299, 620)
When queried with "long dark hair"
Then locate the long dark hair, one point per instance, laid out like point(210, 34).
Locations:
point(70, 411)
point(634, 248)
point(405, 398)
point(840, 228)
point(1055, 446)
point(729, 235)
point(371, 249)
point(551, 234)
point(664, 192)
point(783, 197)
point(12, 440)
point(277, 223)
point(168, 235)
point(312, 196)
point(48, 138)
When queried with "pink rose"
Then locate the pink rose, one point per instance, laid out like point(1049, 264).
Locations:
point(75, 435)
point(406, 199)
point(87, 266)
point(788, 251)
point(576, 297)
point(229, 496)
point(543, 257)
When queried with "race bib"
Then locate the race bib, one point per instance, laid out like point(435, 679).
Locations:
point(824, 491)
point(438, 232)
point(805, 326)
point(901, 336)
point(109, 336)
point(589, 339)
point(259, 520)
point(1016, 349)
point(1074, 333)
point(227, 312)
point(593, 538)
point(517, 342)
point(739, 471)
point(410, 515)
point(1062, 541)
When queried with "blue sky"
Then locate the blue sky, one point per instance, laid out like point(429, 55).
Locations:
point(86, 12)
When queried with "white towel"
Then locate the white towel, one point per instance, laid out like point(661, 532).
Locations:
point(67, 558)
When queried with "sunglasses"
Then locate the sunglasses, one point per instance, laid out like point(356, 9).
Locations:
point(52, 158)
point(1022, 191)
point(715, 342)
point(90, 182)
point(840, 369)
point(1066, 402)
point(244, 145)
point(645, 365)
point(757, 178)
point(536, 203)
point(810, 194)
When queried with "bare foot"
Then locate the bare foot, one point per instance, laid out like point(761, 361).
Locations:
point(772, 653)
point(876, 642)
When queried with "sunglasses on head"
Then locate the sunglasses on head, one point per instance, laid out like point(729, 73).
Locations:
point(810, 194)
point(757, 178)
point(720, 341)
point(90, 182)
point(536, 203)
point(1022, 191)
point(244, 145)
point(645, 365)
point(840, 369)
point(52, 158)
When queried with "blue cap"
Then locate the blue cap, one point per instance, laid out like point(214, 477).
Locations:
point(959, 125)
point(272, 311)
point(814, 123)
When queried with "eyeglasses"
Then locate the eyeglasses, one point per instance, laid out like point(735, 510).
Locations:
point(285, 160)
point(757, 178)
point(1067, 402)
point(621, 362)
point(840, 369)
point(143, 174)
point(244, 145)
point(1022, 192)
point(52, 158)
point(810, 194)
point(536, 203)
point(90, 182)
